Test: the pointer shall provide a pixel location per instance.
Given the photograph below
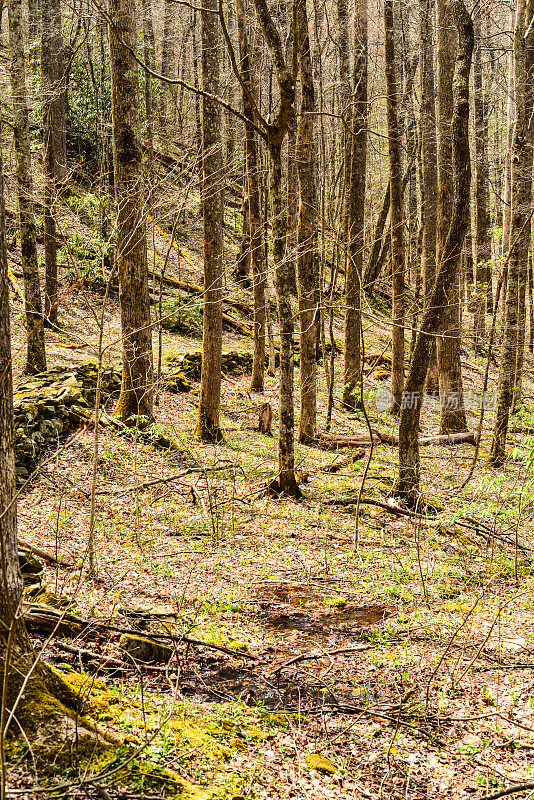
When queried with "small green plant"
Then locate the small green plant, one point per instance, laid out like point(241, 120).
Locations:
point(183, 315)
point(86, 262)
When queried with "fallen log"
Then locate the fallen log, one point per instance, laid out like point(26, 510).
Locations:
point(327, 442)
point(45, 619)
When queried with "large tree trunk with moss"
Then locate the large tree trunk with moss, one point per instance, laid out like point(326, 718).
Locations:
point(33, 307)
point(482, 210)
point(208, 425)
point(448, 345)
point(44, 708)
point(137, 390)
point(396, 215)
point(429, 167)
point(356, 212)
point(307, 255)
point(409, 464)
point(252, 194)
point(520, 225)
point(53, 86)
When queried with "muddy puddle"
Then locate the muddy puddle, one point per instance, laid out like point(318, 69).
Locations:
point(298, 607)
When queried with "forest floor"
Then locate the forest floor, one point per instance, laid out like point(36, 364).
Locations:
point(391, 660)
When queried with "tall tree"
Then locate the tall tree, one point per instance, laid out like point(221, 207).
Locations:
point(448, 344)
point(307, 254)
point(33, 307)
point(356, 211)
point(168, 67)
point(482, 210)
point(54, 96)
point(396, 214)
point(520, 223)
point(208, 425)
point(137, 390)
point(285, 73)
point(429, 167)
point(409, 463)
point(149, 53)
point(253, 205)
point(54, 718)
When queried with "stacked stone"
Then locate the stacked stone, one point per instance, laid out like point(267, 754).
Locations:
point(234, 362)
point(49, 406)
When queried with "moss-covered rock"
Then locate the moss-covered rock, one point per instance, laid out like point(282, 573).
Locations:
point(321, 764)
point(142, 649)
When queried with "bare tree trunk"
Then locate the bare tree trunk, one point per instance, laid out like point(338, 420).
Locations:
point(356, 212)
point(292, 200)
point(168, 67)
point(11, 584)
point(286, 482)
point(520, 224)
point(36, 356)
point(409, 463)
point(137, 390)
point(208, 426)
point(429, 156)
point(448, 345)
point(252, 192)
point(530, 305)
point(54, 139)
point(396, 208)
point(307, 254)
point(510, 121)
point(482, 216)
point(149, 49)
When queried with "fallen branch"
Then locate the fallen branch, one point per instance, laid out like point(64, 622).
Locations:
point(337, 466)
point(520, 787)
point(310, 656)
point(193, 288)
point(349, 709)
point(47, 619)
point(44, 554)
point(81, 651)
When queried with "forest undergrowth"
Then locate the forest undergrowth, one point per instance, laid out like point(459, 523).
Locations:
point(334, 646)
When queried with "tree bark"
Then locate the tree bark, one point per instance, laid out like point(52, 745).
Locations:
point(54, 139)
point(396, 209)
point(208, 426)
point(356, 212)
point(409, 463)
point(252, 191)
point(168, 67)
point(429, 156)
point(448, 344)
point(307, 254)
point(286, 482)
point(137, 391)
point(35, 355)
point(482, 215)
point(149, 49)
point(520, 223)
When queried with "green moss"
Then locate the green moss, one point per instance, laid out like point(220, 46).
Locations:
point(48, 713)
